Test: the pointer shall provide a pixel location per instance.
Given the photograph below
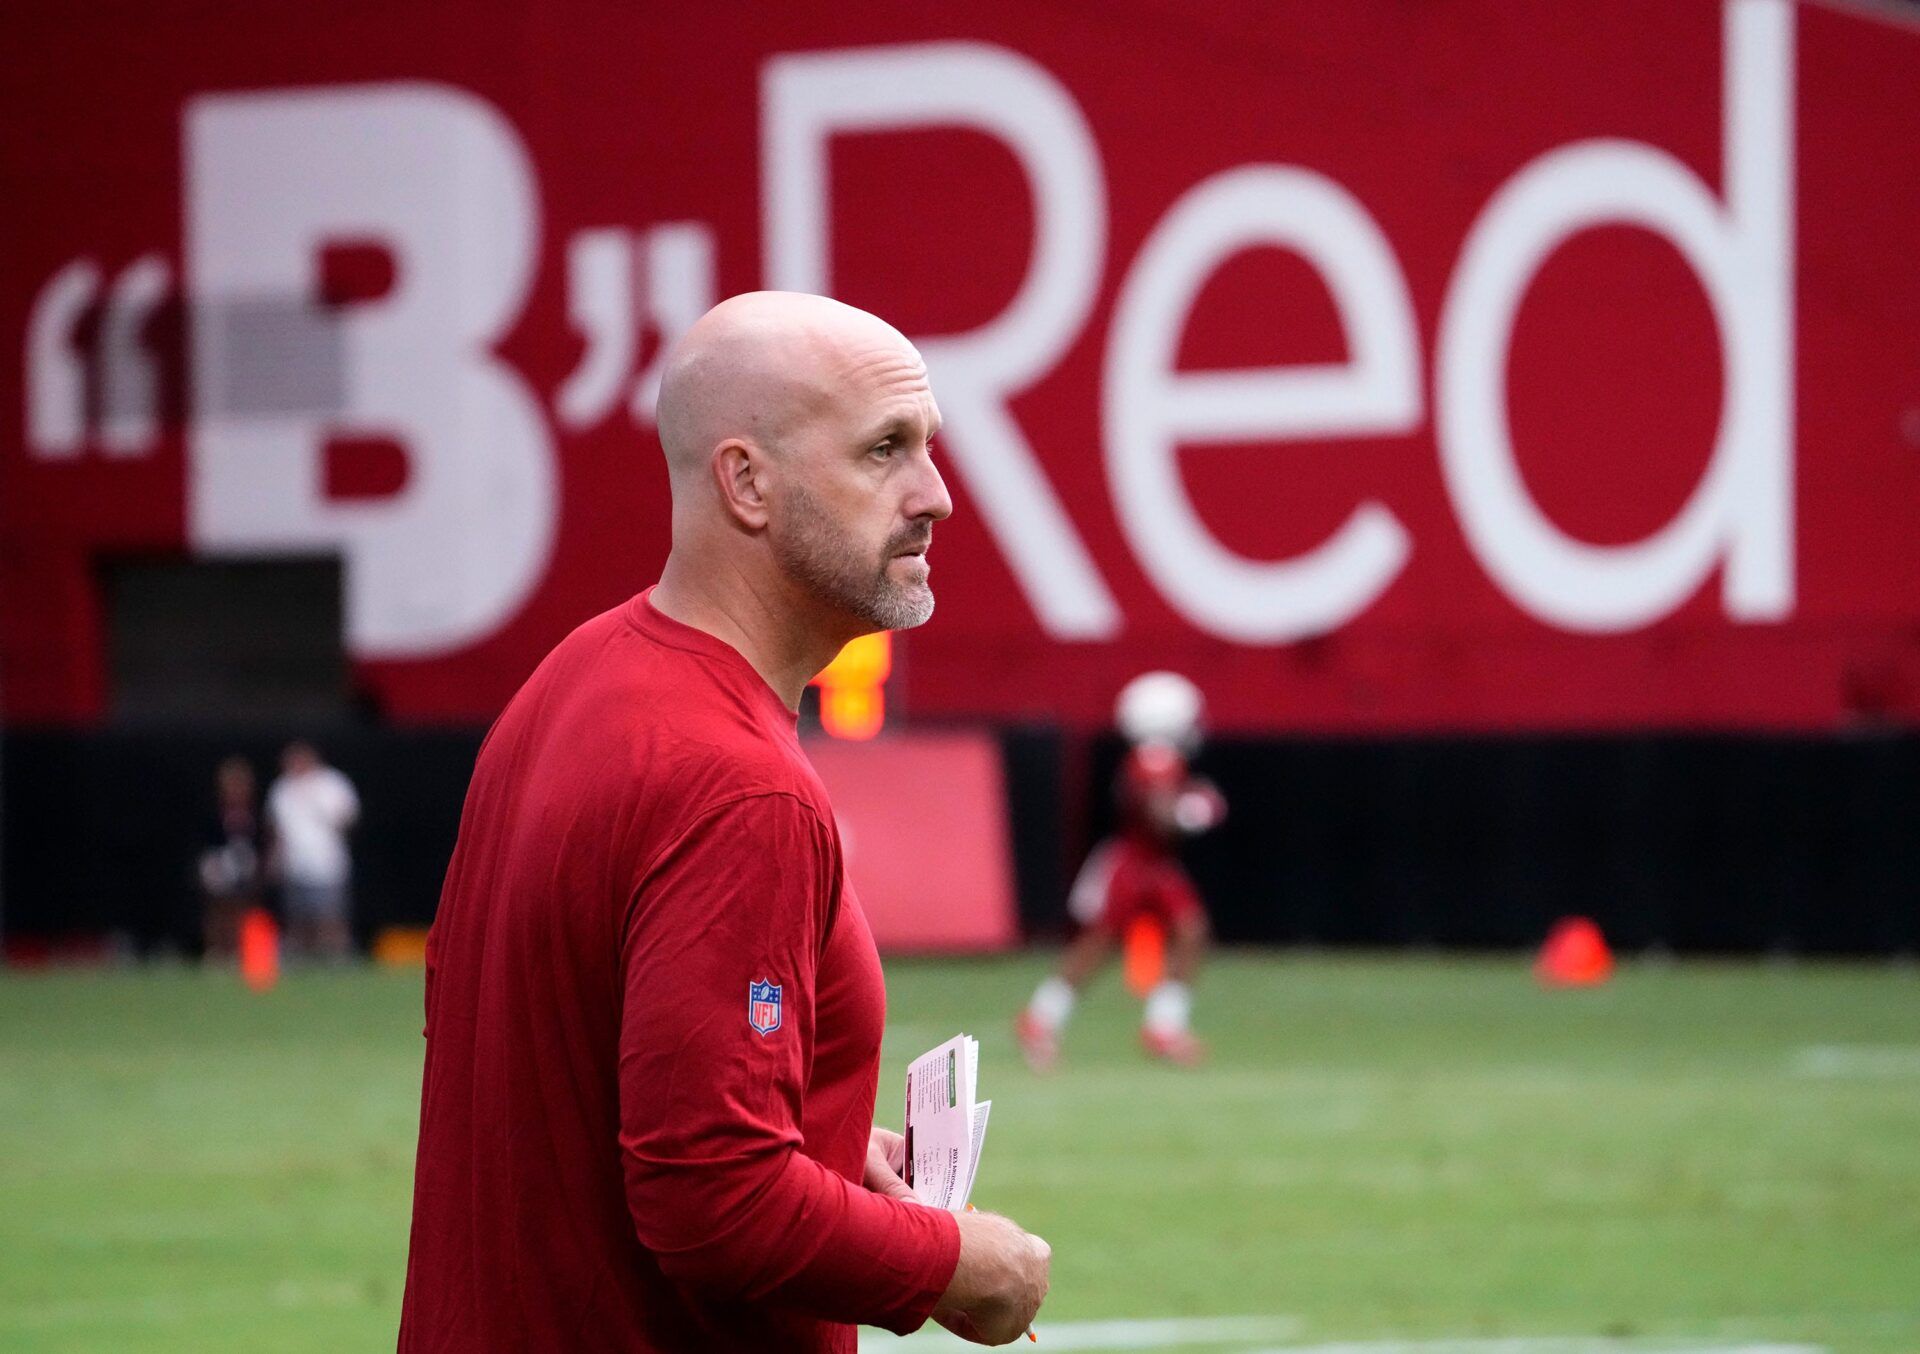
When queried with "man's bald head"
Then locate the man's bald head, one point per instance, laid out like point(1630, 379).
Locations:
point(756, 365)
point(798, 432)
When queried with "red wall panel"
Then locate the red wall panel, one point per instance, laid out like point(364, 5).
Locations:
point(558, 186)
point(923, 822)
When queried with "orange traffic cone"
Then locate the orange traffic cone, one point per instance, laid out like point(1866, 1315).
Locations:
point(259, 949)
point(1575, 955)
point(1144, 960)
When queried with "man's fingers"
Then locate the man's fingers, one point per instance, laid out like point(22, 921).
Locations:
point(889, 1147)
point(882, 1177)
point(961, 1325)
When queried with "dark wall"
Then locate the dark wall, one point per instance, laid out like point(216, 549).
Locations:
point(1693, 843)
point(1697, 843)
point(102, 828)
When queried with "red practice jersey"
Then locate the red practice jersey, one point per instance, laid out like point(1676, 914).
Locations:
point(653, 1030)
point(1137, 870)
point(1150, 777)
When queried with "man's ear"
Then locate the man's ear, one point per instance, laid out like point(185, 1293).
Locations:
point(740, 473)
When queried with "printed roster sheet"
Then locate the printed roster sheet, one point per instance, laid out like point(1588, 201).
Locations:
point(945, 1127)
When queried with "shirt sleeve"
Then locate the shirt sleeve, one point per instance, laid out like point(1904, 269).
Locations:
point(713, 1075)
point(346, 802)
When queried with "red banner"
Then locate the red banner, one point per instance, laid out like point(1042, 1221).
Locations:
point(1467, 364)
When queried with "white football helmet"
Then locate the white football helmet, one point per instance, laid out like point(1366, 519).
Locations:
point(1160, 707)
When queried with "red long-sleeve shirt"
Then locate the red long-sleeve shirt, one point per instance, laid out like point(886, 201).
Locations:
point(628, 1139)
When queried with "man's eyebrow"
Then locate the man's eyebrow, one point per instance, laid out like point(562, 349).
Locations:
point(900, 427)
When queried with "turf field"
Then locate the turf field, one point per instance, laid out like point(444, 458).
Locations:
point(1401, 1150)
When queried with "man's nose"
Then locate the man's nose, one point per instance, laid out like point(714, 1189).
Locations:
point(930, 498)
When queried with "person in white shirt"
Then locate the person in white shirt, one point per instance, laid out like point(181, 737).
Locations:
point(311, 807)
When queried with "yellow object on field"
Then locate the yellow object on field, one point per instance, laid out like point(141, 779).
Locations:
point(400, 946)
point(853, 701)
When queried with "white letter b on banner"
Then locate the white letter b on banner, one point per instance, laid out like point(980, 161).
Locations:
point(437, 178)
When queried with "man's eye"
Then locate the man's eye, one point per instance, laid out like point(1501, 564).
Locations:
point(884, 450)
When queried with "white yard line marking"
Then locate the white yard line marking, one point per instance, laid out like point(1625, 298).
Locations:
point(1537, 1345)
point(173, 1309)
point(1162, 1333)
point(1251, 1334)
point(1865, 1061)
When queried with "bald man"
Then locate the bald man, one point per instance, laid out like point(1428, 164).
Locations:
point(654, 1008)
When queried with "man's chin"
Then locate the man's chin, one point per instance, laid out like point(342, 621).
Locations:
point(904, 608)
point(921, 615)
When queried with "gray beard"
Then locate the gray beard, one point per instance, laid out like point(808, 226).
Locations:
point(811, 553)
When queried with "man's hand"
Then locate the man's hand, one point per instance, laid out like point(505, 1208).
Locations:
point(887, 1164)
point(1002, 1275)
point(1000, 1282)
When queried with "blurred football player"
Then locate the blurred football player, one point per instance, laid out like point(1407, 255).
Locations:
point(1136, 875)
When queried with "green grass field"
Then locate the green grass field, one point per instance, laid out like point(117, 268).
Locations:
point(1702, 1155)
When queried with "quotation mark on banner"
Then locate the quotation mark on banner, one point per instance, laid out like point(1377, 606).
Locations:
point(123, 416)
point(622, 288)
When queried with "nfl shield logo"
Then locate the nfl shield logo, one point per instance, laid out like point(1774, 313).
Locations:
point(763, 1007)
